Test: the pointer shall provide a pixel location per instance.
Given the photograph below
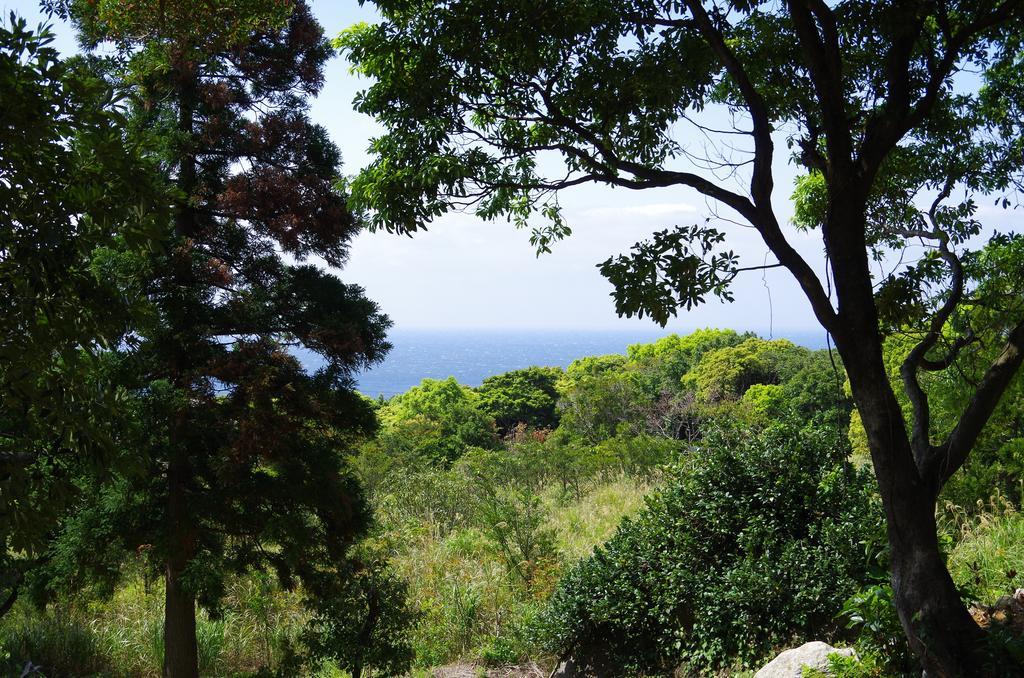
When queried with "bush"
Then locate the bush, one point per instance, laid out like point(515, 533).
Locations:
point(756, 539)
point(363, 624)
point(841, 666)
point(871, 613)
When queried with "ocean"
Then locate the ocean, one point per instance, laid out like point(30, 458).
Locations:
point(472, 355)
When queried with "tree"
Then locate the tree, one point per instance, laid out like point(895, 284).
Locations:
point(726, 373)
point(816, 390)
point(666, 361)
point(880, 108)
point(435, 422)
point(81, 204)
point(599, 398)
point(526, 396)
point(242, 450)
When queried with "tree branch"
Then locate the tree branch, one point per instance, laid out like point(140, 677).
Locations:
point(761, 181)
point(825, 65)
point(900, 115)
point(951, 455)
point(909, 370)
point(947, 361)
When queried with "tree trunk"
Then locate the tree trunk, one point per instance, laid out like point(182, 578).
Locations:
point(940, 630)
point(181, 652)
point(938, 627)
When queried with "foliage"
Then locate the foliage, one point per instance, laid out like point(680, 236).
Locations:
point(121, 635)
point(754, 539)
point(599, 398)
point(765, 401)
point(902, 116)
point(510, 513)
point(727, 373)
point(239, 450)
point(50, 645)
point(816, 390)
point(525, 396)
point(677, 268)
point(988, 554)
point(871, 614)
point(363, 625)
point(435, 422)
point(664, 362)
point(997, 461)
point(842, 666)
point(81, 206)
point(481, 543)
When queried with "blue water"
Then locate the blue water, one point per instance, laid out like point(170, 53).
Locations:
point(472, 355)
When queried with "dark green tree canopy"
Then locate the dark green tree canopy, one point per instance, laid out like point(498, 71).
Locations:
point(80, 210)
point(526, 396)
point(243, 451)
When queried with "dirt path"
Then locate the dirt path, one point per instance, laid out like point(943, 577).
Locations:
point(474, 671)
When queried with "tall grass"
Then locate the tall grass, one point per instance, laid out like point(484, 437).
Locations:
point(988, 556)
point(583, 524)
point(123, 635)
point(472, 607)
point(462, 581)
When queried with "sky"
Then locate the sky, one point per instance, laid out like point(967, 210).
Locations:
point(466, 273)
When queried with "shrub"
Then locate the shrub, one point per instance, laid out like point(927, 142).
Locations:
point(526, 396)
point(841, 666)
point(363, 624)
point(756, 538)
point(512, 517)
point(871, 614)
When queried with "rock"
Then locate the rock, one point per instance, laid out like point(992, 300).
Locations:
point(790, 664)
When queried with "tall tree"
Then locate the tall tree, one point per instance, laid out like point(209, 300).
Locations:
point(242, 449)
point(898, 111)
point(80, 206)
point(525, 396)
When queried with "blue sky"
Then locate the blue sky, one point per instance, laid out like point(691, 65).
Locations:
point(467, 273)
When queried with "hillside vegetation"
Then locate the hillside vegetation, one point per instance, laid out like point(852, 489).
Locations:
point(693, 505)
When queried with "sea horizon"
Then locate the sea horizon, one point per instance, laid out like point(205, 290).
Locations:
point(472, 354)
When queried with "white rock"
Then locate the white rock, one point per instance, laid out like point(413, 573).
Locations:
point(791, 663)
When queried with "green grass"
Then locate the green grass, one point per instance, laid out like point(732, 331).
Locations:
point(123, 636)
point(592, 520)
point(988, 558)
point(471, 609)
